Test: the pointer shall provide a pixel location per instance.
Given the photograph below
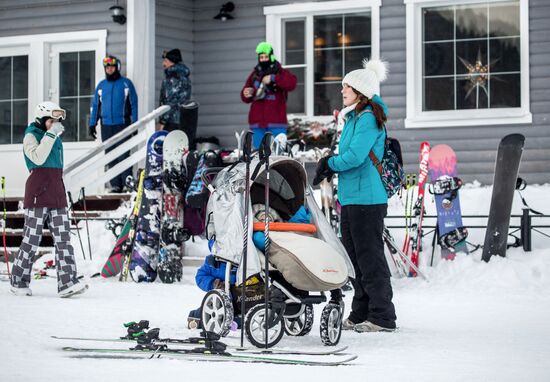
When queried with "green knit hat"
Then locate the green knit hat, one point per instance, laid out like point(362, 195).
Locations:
point(265, 48)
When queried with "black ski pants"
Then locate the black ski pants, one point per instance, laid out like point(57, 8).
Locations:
point(362, 228)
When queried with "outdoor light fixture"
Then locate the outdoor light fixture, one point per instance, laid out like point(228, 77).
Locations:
point(117, 12)
point(225, 12)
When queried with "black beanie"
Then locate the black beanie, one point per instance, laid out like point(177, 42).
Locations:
point(173, 55)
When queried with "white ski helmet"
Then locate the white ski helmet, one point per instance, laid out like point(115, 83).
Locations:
point(48, 109)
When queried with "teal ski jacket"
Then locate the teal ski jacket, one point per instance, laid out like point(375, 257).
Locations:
point(359, 182)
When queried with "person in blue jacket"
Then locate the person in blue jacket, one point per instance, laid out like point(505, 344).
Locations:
point(211, 275)
point(363, 197)
point(115, 104)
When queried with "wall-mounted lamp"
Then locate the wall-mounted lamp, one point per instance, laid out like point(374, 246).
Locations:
point(225, 12)
point(117, 12)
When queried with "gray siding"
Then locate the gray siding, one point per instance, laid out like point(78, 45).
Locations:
point(174, 29)
point(26, 17)
point(224, 56)
point(221, 55)
point(475, 146)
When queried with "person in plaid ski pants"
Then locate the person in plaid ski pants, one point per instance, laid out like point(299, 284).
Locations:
point(45, 202)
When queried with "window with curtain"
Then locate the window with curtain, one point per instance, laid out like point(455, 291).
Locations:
point(339, 43)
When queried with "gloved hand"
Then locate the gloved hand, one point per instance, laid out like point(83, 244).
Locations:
point(93, 132)
point(57, 128)
point(323, 170)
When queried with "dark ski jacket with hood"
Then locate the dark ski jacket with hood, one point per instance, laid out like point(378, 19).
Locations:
point(174, 91)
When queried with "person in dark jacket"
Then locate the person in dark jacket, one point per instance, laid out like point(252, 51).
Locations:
point(45, 202)
point(363, 197)
point(266, 89)
point(115, 104)
point(174, 91)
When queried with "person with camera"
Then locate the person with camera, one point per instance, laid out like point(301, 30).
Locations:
point(266, 89)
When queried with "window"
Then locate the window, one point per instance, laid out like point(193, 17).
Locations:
point(76, 90)
point(14, 100)
point(57, 67)
point(471, 65)
point(320, 43)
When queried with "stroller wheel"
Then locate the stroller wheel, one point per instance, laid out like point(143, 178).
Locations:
point(254, 324)
point(331, 324)
point(217, 312)
point(301, 325)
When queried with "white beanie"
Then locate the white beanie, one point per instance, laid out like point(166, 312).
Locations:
point(367, 80)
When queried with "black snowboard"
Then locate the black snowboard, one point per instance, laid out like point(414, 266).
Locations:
point(504, 185)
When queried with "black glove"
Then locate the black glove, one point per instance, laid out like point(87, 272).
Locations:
point(93, 132)
point(323, 171)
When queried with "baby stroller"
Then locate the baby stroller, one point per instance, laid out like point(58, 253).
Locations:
point(302, 267)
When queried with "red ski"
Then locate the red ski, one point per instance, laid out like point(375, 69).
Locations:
point(415, 239)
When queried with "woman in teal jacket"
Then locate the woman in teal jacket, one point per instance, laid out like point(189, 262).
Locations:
point(363, 197)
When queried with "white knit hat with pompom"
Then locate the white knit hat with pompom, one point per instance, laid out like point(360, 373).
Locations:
point(367, 80)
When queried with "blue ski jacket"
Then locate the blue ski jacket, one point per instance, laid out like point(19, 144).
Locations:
point(358, 180)
point(211, 270)
point(115, 103)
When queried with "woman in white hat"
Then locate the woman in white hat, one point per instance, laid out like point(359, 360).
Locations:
point(363, 197)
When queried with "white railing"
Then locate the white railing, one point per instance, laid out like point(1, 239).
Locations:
point(88, 170)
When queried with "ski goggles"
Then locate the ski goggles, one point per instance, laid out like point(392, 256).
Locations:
point(58, 114)
point(110, 61)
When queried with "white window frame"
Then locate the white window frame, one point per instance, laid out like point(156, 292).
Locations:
point(416, 118)
point(274, 33)
point(39, 48)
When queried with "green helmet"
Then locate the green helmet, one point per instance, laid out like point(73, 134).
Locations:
point(265, 48)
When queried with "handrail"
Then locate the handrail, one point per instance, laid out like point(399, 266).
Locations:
point(116, 138)
point(88, 169)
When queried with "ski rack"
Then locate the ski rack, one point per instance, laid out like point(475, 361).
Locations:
point(525, 227)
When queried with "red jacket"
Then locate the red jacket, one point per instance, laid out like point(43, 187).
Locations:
point(271, 110)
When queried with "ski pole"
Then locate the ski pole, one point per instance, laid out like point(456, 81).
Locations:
point(83, 195)
point(247, 149)
point(265, 152)
point(4, 225)
point(75, 223)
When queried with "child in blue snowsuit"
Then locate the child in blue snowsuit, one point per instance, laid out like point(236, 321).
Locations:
point(211, 275)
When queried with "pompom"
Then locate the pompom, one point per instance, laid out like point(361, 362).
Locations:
point(380, 68)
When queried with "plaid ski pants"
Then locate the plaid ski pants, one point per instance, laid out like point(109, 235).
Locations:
point(58, 224)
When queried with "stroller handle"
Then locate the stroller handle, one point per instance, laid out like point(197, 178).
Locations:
point(207, 180)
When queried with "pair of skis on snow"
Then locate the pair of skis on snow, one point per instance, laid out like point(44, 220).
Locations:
point(208, 347)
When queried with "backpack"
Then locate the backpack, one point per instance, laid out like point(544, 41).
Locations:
point(390, 167)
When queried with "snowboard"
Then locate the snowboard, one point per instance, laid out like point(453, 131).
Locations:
point(144, 258)
point(504, 184)
point(124, 242)
point(172, 234)
point(451, 232)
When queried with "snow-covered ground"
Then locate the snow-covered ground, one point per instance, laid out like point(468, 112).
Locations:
point(473, 321)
